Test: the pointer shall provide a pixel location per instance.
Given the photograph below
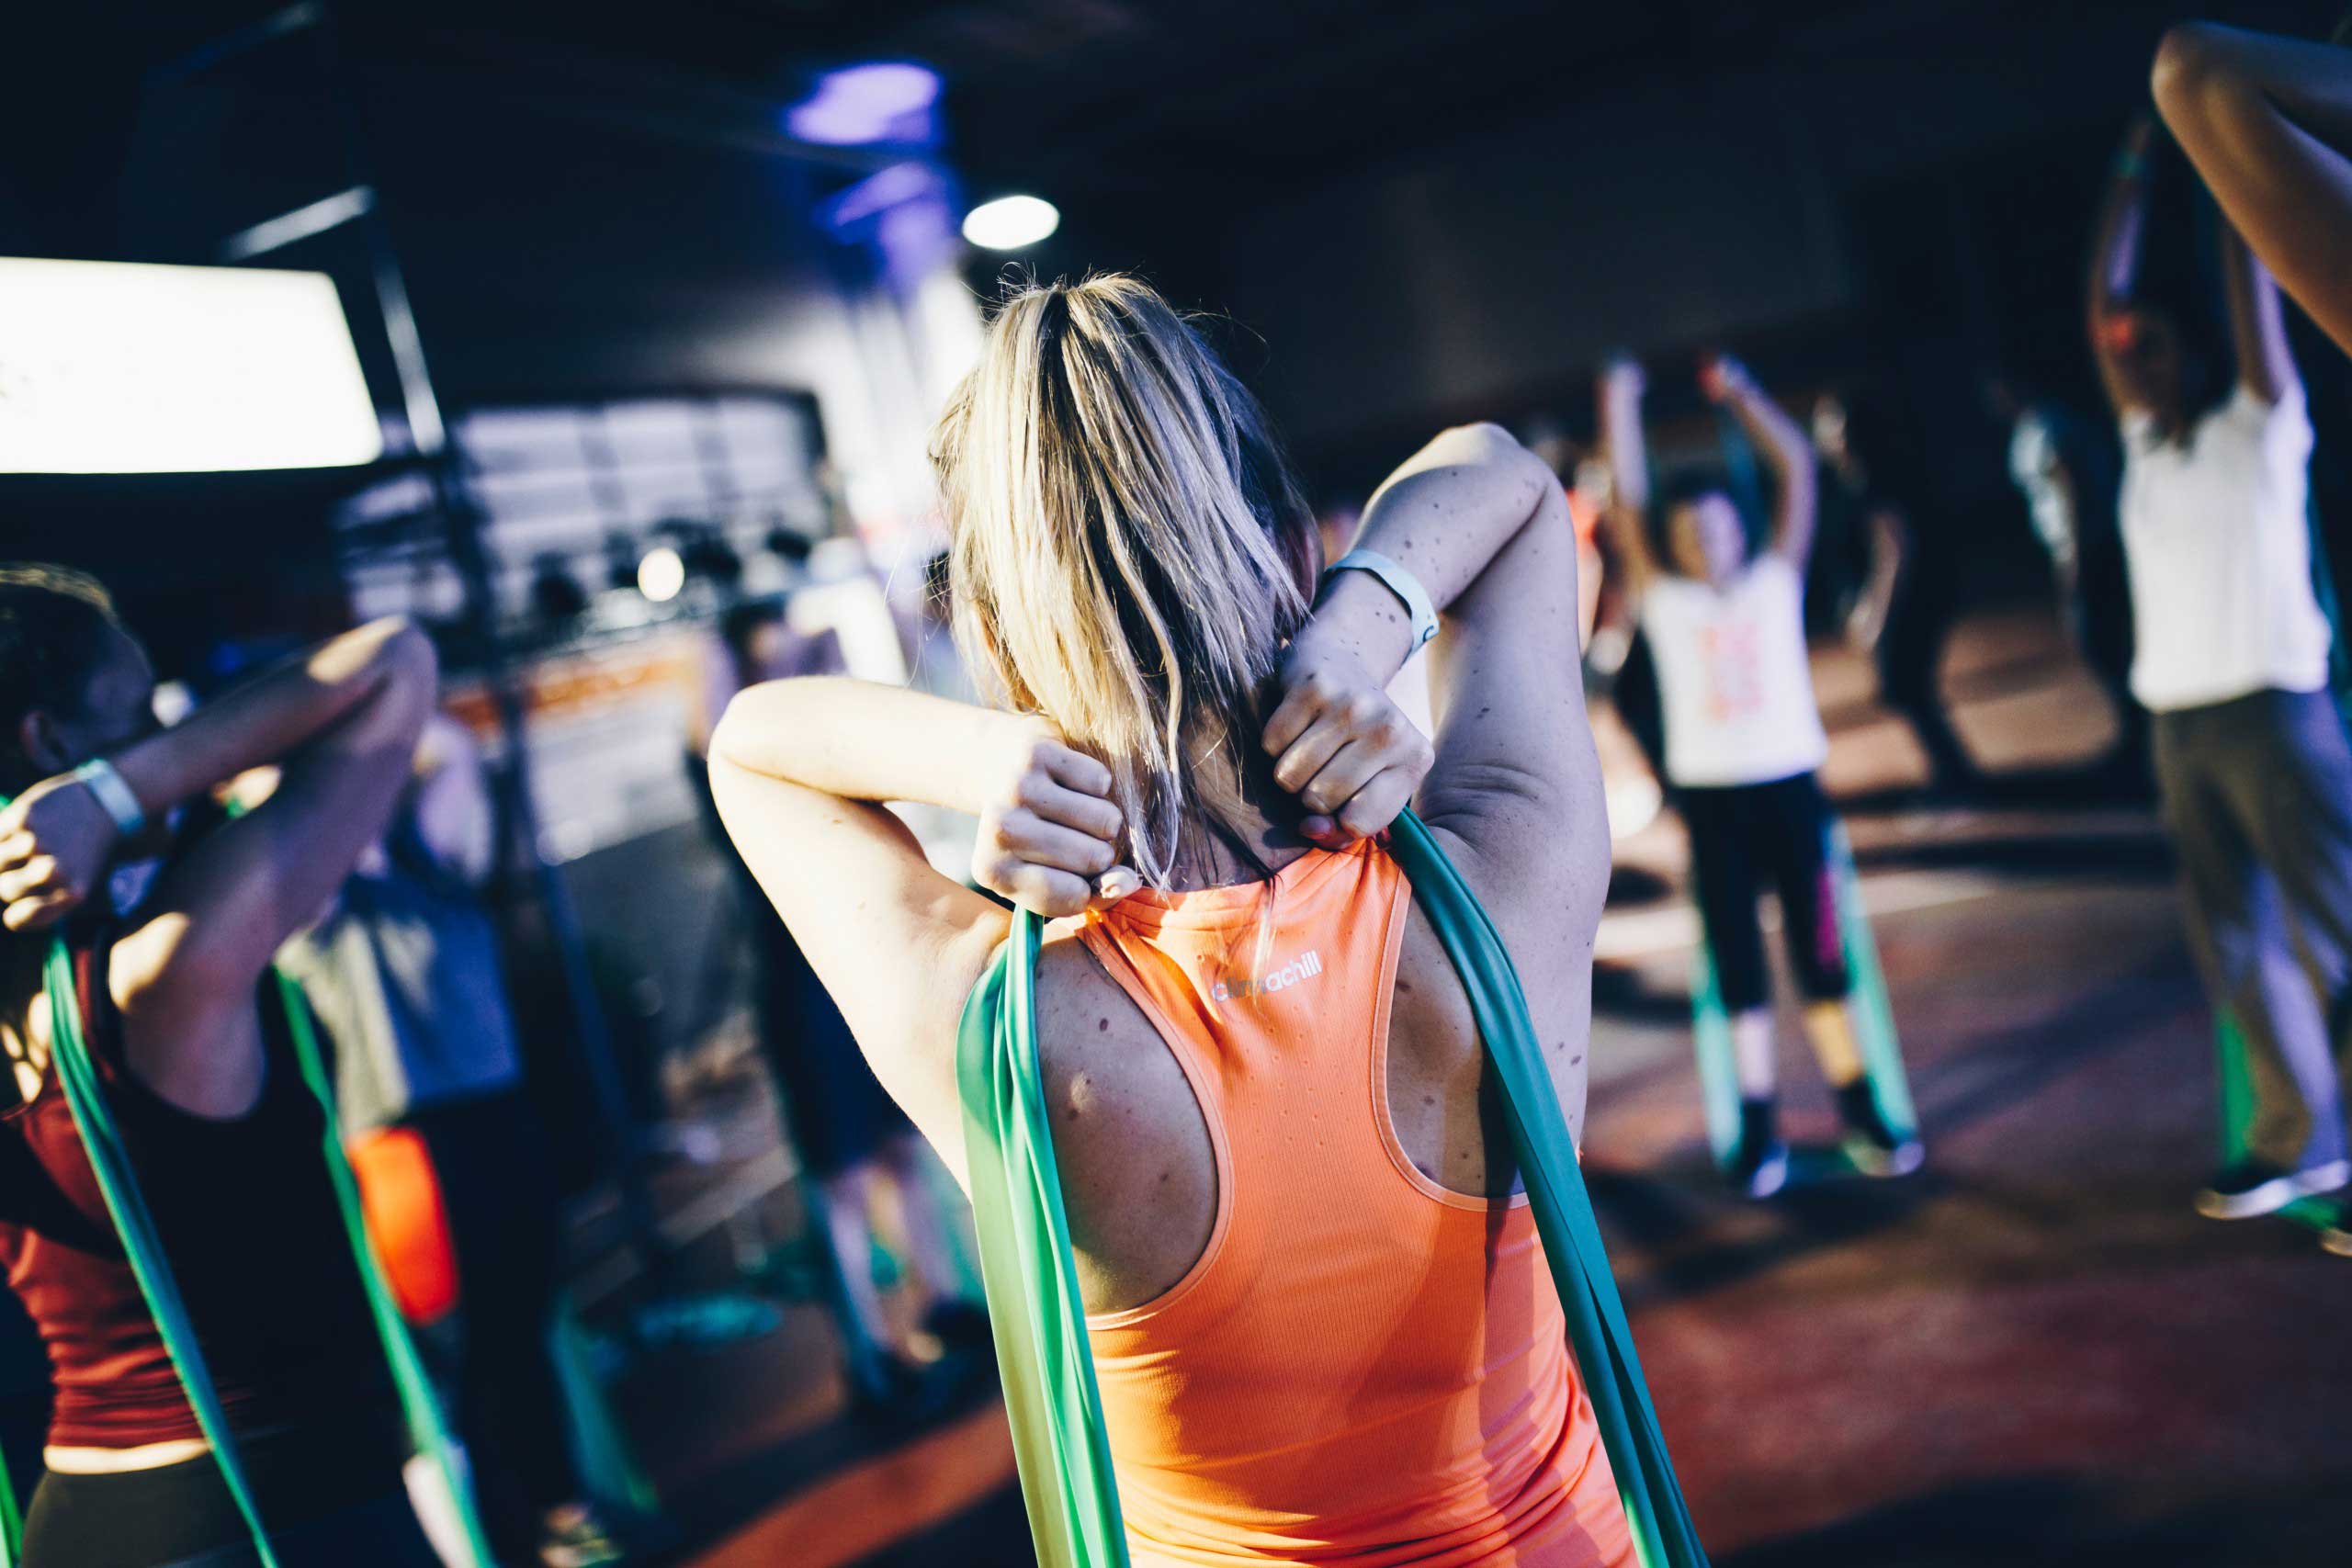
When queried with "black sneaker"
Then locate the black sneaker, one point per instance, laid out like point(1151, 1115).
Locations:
point(2254, 1187)
point(1871, 1145)
point(1759, 1162)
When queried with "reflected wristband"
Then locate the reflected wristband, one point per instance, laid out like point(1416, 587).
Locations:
point(1402, 583)
point(98, 776)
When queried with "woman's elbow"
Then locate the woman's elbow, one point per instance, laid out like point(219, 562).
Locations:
point(2190, 63)
point(411, 652)
point(747, 724)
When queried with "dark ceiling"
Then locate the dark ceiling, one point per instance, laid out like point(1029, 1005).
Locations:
point(1106, 101)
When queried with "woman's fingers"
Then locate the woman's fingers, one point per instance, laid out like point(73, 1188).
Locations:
point(1308, 755)
point(1032, 839)
point(32, 913)
point(1380, 801)
point(1074, 770)
point(1351, 768)
point(1299, 707)
point(24, 880)
point(1089, 814)
point(1042, 889)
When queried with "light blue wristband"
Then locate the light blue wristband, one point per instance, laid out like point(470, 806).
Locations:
point(1402, 583)
point(98, 776)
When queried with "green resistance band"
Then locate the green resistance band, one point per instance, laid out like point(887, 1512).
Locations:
point(110, 1161)
point(420, 1406)
point(1047, 1369)
point(1874, 1019)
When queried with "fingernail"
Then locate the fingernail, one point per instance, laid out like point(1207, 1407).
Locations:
point(1117, 883)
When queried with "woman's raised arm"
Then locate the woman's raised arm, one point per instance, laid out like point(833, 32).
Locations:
point(2267, 121)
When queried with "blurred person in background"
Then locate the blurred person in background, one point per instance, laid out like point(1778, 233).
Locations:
point(1284, 1377)
point(854, 1144)
point(2232, 658)
point(172, 919)
point(403, 975)
point(1743, 737)
point(2067, 472)
point(1883, 510)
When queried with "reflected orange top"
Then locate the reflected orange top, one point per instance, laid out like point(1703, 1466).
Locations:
point(1364, 1370)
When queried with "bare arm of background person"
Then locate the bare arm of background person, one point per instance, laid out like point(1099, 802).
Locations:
point(1786, 452)
point(1623, 446)
point(2115, 261)
point(2265, 365)
point(2267, 121)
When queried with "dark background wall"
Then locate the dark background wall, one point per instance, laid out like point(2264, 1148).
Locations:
point(1412, 214)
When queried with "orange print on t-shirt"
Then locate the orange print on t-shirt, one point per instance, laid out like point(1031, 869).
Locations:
point(1734, 669)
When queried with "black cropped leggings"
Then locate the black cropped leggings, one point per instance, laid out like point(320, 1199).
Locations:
point(1741, 835)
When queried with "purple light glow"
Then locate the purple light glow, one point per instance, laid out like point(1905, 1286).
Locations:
point(888, 101)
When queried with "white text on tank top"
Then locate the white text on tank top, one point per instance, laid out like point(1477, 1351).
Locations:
point(2217, 541)
point(1734, 685)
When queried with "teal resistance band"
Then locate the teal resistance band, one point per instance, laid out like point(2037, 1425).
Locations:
point(110, 1161)
point(1035, 1310)
point(1874, 1019)
point(1047, 1367)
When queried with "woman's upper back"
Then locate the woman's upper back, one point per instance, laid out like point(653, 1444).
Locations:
point(1321, 1330)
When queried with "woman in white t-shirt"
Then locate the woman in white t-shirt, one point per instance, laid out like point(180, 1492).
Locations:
point(2233, 661)
point(1743, 736)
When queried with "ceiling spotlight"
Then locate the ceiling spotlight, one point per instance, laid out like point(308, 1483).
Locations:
point(661, 574)
point(1010, 222)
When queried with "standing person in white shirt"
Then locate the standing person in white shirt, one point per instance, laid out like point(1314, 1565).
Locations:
point(2232, 662)
point(1743, 736)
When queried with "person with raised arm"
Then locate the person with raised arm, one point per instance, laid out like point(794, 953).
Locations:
point(171, 918)
point(2267, 122)
point(1240, 1013)
point(2231, 663)
point(1743, 738)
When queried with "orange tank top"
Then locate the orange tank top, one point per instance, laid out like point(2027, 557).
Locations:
point(1364, 1370)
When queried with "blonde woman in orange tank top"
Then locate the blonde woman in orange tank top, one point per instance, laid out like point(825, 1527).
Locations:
point(1320, 1313)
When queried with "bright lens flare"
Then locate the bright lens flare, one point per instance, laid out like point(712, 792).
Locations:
point(1010, 222)
point(661, 574)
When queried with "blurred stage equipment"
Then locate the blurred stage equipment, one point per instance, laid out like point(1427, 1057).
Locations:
point(1010, 222)
point(117, 369)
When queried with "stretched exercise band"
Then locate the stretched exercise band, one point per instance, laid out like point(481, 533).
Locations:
point(1047, 1367)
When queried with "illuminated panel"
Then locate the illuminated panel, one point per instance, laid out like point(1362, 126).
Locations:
point(111, 369)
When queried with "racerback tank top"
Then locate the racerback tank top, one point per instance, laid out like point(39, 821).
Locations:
point(1364, 1370)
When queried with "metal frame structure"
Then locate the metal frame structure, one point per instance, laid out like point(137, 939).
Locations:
point(359, 206)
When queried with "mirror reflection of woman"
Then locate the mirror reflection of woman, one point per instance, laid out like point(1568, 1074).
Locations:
point(189, 1043)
